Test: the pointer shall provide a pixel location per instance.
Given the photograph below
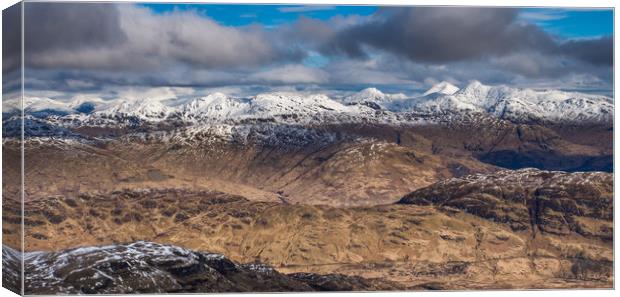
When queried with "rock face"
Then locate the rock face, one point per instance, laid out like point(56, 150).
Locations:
point(541, 201)
point(147, 267)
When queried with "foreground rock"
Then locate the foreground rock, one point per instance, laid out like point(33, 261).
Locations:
point(147, 267)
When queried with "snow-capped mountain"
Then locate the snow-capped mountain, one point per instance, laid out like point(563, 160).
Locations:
point(214, 106)
point(520, 105)
point(374, 98)
point(368, 105)
point(442, 88)
point(294, 107)
point(43, 107)
point(273, 104)
point(38, 106)
point(143, 109)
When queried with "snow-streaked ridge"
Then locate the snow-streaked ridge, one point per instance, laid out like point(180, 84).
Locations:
point(214, 106)
point(368, 105)
point(521, 105)
point(443, 87)
point(143, 109)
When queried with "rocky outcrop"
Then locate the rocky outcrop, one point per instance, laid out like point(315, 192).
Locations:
point(147, 267)
point(541, 201)
point(11, 269)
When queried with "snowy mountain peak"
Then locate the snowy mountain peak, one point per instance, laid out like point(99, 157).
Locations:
point(371, 93)
point(205, 103)
point(366, 95)
point(443, 87)
point(217, 96)
point(375, 99)
point(215, 106)
point(475, 89)
point(144, 108)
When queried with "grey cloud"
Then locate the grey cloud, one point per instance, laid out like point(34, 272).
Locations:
point(444, 35)
point(433, 34)
point(185, 76)
point(539, 65)
point(519, 69)
point(129, 38)
point(310, 31)
point(599, 51)
point(126, 45)
point(50, 26)
point(11, 38)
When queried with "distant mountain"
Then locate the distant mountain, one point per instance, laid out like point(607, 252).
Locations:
point(442, 88)
point(373, 98)
point(144, 109)
point(213, 106)
point(369, 105)
point(37, 106)
point(519, 105)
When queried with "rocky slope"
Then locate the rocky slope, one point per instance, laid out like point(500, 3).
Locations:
point(523, 229)
point(501, 143)
point(544, 202)
point(335, 167)
point(345, 165)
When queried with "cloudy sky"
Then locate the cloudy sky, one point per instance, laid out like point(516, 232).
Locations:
point(111, 50)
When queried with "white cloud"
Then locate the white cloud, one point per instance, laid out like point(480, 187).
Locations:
point(536, 16)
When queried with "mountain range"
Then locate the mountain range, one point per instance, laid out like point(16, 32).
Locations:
point(514, 104)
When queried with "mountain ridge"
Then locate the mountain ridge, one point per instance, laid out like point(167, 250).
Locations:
point(503, 102)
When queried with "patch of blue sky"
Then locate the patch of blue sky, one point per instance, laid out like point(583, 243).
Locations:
point(267, 15)
point(315, 60)
point(573, 23)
